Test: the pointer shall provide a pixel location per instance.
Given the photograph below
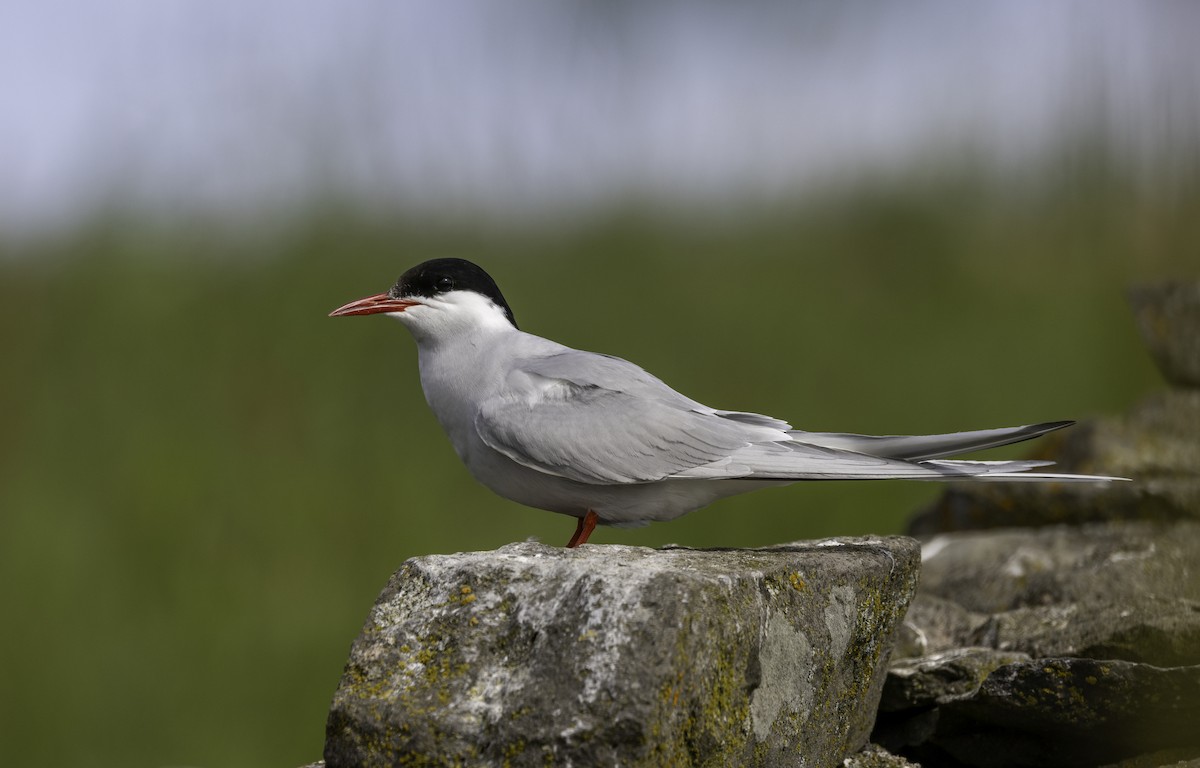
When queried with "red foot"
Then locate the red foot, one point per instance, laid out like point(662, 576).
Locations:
point(583, 529)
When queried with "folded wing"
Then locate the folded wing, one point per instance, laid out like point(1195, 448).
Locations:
point(601, 420)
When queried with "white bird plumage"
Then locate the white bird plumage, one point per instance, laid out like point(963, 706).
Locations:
point(598, 438)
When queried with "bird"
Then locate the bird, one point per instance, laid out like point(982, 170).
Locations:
point(598, 438)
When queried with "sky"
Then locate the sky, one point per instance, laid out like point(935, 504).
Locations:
point(543, 107)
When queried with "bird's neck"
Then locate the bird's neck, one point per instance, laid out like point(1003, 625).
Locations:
point(457, 372)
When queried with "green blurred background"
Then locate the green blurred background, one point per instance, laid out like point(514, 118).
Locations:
point(205, 481)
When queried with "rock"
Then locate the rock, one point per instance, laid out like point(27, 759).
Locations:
point(875, 756)
point(1168, 316)
point(1091, 647)
point(924, 682)
point(1121, 562)
point(1126, 591)
point(934, 624)
point(908, 709)
point(1165, 758)
point(615, 655)
point(1148, 633)
point(986, 708)
point(1071, 712)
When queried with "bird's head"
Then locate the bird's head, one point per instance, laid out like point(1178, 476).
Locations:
point(439, 299)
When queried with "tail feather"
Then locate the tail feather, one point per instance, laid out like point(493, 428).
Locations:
point(925, 447)
point(1044, 477)
point(1015, 471)
point(830, 456)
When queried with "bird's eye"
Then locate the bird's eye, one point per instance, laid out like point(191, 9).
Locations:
point(444, 284)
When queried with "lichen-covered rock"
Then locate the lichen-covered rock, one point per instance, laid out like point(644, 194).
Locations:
point(1126, 591)
point(1168, 316)
point(614, 655)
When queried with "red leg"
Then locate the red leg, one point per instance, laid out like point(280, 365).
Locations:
point(583, 529)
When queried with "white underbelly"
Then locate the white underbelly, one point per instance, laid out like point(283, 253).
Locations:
point(629, 504)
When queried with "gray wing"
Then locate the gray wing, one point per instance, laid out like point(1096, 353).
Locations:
point(602, 420)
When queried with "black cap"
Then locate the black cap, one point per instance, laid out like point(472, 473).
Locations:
point(437, 276)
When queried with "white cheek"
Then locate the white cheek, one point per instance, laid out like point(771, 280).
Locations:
point(453, 314)
point(423, 320)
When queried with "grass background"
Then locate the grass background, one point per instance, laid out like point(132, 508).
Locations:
point(204, 481)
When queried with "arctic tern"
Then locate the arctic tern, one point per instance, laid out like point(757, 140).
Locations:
point(598, 438)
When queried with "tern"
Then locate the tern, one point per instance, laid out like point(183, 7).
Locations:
point(600, 439)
